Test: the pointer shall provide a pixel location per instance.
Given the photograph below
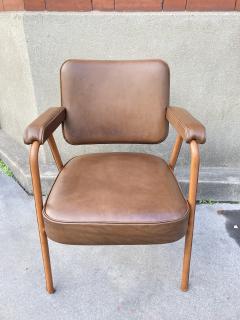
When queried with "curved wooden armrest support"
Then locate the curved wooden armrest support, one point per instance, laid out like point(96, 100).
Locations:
point(55, 152)
point(195, 162)
point(175, 152)
point(35, 173)
point(37, 191)
point(194, 171)
point(192, 194)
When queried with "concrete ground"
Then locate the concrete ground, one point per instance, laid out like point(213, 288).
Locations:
point(125, 282)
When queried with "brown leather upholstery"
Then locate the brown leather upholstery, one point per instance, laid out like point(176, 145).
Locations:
point(115, 101)
point(41, 128)
point(116, 198)
point(186, 125)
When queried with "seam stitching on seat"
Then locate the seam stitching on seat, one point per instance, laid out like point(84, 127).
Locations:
point(116, 223)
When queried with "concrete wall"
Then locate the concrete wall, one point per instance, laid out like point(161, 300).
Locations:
point(202, 50)
point(17, 97)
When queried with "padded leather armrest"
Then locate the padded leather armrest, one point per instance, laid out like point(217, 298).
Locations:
point(186, 125)
point(42, 127)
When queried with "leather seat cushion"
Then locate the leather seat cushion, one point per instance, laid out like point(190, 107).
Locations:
point(116, 198)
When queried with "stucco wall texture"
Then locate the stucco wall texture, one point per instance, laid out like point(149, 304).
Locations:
point(202, 50)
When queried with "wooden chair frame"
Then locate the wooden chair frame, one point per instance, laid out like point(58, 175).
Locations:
point(37, 191)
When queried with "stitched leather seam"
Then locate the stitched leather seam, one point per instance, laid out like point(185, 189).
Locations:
point(55, 114)
point(184, 126)
point(114, 222)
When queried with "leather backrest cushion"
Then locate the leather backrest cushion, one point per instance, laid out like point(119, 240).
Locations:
point(115, 101)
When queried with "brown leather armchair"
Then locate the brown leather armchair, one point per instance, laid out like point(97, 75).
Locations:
point(120, 197)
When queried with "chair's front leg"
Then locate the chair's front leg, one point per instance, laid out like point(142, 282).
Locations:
point(194, 170)
point(39, 207)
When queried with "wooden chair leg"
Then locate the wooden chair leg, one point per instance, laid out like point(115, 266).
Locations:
point(194, 170)
point(55, 152)
point(39, 206)
point(46, 261)
point(175, 152)
point(187, 257)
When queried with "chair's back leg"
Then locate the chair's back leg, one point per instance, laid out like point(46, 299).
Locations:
point(195, 161)
point(55, 152)
point(175, 152)
point(39, 207)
